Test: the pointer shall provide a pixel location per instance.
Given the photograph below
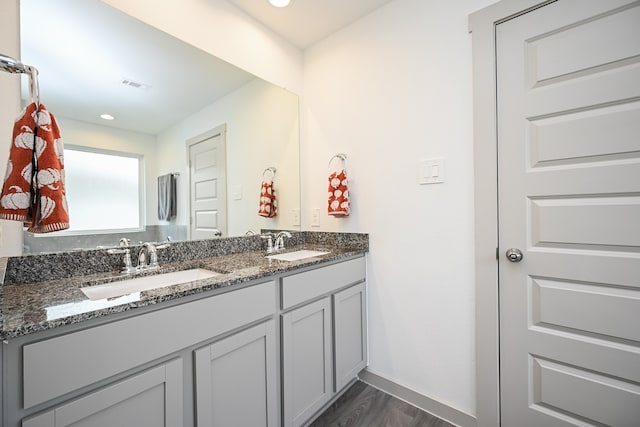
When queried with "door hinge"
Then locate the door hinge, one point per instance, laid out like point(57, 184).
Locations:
point(497, 253)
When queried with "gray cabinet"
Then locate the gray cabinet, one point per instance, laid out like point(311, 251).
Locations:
point(324, 337)
point(306, 361)
point(54, 367)
point(117, 374)
point(236, 380)
point(218, 360)
point(350, 334)
point(151, 398)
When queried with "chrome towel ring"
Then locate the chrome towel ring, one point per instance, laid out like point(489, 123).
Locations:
point(342, 157)
point(269, 169)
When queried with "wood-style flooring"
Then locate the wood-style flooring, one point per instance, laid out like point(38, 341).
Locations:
point(365, 406)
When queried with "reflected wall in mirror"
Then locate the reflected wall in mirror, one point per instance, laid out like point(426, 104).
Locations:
point(164, 93)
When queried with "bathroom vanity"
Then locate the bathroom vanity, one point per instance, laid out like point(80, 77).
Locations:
point(262, 343)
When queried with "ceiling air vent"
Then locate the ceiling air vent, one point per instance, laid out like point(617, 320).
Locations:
point(136, 85)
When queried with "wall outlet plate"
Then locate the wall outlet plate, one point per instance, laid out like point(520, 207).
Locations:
point(236, 192)
point(295, 213)
point(315, 217)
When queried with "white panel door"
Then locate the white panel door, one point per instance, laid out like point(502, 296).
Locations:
point(569, 198)
point(208, 187)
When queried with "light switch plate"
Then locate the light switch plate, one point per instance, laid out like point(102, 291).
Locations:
point(431, 171)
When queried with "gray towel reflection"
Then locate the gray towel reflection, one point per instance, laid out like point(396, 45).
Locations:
point(167, 197)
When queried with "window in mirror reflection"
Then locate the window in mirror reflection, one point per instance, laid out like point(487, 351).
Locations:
point(104, 190)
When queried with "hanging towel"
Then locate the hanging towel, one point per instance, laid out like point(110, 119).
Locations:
point(167, 197)
point(34, 189)
point(268, 203)
point(339, 194)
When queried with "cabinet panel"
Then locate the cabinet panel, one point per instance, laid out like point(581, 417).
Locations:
point(307, 360)
point(152, 398)
point(301, 287)
point(236, 380)
point(56, 366)
point(350, 334)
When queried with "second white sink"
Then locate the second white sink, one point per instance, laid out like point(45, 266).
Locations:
point(146, 283)
point(297, 255)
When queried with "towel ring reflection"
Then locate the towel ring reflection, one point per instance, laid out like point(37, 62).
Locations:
point(340, 156)
point(12, 65)
point(269, 169)
point(34, 86)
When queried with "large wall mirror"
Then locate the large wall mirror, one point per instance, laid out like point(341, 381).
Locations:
point(169, 100)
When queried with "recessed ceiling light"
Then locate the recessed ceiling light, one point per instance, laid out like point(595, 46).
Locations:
point(280, 3)
point(107, 116)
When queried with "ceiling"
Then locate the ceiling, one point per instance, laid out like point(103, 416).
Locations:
point(84, 50)
point(305, 22)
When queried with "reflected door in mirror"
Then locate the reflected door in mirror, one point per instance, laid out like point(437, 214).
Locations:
point(207, 177)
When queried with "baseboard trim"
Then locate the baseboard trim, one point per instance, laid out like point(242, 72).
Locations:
point(440, 410)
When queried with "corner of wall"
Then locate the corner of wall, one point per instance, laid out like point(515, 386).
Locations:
point(10, 231)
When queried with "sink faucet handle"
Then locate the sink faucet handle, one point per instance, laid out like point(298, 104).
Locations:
point(127, 266)
point(269, 238)
point(124, 242)
point(153, 255)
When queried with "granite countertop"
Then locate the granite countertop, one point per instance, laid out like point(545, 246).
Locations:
point(31, 307)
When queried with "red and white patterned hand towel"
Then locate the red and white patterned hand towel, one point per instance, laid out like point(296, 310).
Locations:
point(33, 190)
point(268, 203)
point(339, 194)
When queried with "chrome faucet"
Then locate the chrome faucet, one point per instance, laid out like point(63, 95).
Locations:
point(279, 245)
point(148, 250)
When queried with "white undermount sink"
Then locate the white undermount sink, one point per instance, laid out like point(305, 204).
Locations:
point(146, 283)
point(297, 255)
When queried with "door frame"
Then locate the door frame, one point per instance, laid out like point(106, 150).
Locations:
point(482, 25)
point(218, 130)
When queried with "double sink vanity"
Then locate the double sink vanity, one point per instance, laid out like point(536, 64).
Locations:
point(222, 334)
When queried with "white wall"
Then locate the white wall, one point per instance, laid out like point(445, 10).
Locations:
point(224, 30)
point(262, 131)
point(392, 88)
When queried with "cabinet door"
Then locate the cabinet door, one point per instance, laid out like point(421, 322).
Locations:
point(151, 398)
point(236, 380)
point(350, 334)
point(307, 362)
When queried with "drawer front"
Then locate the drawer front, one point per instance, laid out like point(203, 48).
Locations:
point(302, 287)
point(63, 364)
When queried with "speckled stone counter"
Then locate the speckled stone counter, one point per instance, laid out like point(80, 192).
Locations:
point(41, 292)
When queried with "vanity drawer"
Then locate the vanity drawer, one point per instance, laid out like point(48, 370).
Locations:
point(302, 287)
point(60, 365)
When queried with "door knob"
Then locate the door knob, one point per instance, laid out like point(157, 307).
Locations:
point(514, 255)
